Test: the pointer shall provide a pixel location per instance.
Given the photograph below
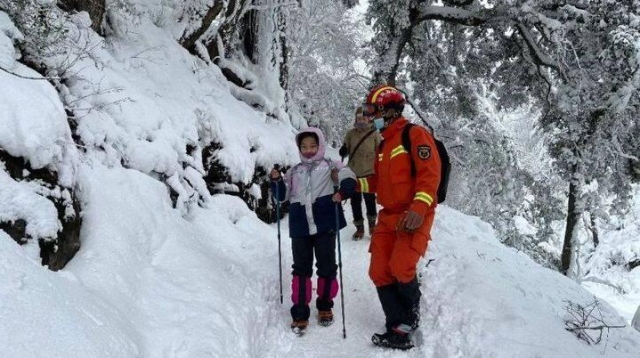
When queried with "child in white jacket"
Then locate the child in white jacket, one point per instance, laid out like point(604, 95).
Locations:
point(309, 187)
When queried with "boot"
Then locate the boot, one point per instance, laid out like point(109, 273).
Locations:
point(372, 223)
point(299, 326)
point(414, 315)
point(359, 234)
point(391, 305)
point(393, 338)
point(409, 295)
point(325, 318)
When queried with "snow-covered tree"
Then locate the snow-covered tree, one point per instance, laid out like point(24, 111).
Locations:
point(577, 59)
point(324, 83)
point(593, 118)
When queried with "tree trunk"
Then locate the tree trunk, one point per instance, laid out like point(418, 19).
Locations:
point(594, 229)
point(285, 52)
point(250, 35)
point(572, 222)
point(95, 8)
point(189, 41)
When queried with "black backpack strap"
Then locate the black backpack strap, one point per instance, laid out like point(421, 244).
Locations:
point(406, 143)
point(445, 171)
point(445, 162)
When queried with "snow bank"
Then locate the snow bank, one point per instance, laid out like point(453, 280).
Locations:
point(144, 102)
point(189, 288)
point(486, 300)
point(33, 123)
point(150, 283)
point(19, 201)
point(608, 273)
point(43, 313)
point(33, 126)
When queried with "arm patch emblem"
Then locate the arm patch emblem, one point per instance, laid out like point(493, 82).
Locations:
point(424, 152)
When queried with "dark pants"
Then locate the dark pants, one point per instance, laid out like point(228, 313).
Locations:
point(323, 245)
point(356, 206)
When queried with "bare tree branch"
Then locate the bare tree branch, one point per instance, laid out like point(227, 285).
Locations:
point(27, 77)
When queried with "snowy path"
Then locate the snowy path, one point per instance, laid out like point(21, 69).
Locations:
point(363, 314)
point(149, 284)
point(480, 299)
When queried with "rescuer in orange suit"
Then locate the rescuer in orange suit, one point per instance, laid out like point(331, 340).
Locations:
point(404, 224)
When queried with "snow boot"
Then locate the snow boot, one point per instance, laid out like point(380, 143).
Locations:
point(325, 318)
point(299, 327)
point(394, 339)
point(359, 234)
point(391, 306)
point(372, 224)
point(409, 295)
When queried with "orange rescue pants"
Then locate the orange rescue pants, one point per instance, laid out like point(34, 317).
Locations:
point(395, 254)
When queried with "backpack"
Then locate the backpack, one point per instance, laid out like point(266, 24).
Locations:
point(445, 162)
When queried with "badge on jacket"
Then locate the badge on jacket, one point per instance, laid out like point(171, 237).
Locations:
point(424, 152)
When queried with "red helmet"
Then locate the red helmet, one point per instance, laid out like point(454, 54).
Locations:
point(384, 96)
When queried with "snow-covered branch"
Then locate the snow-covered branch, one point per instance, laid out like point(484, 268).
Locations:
point(537, 55)
point(452, 14)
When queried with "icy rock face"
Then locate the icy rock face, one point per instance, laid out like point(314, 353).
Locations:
point(57, 231)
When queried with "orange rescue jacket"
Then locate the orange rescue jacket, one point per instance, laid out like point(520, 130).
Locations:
point(397, 190)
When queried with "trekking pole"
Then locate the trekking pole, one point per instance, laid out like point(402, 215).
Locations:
point(344, 329)
point(279, 240)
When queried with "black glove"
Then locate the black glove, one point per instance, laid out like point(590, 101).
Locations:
point(343, 151)
point(275, 174)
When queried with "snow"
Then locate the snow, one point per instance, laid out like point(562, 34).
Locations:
point(8, 34)
point(19, 201)
point(47, 313)
point(33, 123)
point(143, 99)
point(607, 275)
point(152, 281)
point(33, 126)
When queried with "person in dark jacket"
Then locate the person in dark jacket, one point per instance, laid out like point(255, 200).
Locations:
point(309, 188)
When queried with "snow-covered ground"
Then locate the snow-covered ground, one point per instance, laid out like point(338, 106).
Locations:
point(606, 273)
point(150, 283)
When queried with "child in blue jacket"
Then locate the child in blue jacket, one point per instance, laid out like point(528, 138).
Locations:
point(309, 187)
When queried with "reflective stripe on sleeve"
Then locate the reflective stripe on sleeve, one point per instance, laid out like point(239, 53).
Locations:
point(424, 197)
point(398, 150)
point(364, 185)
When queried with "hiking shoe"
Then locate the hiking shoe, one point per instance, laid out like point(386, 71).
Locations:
point(325, 318)
point(359, 234)
point(392, 339)
point(299, 326)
